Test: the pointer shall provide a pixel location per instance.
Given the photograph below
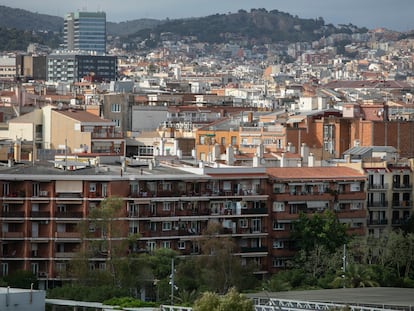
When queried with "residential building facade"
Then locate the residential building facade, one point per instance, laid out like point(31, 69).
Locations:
point(73, 67)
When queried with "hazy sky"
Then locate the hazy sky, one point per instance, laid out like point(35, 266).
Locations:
point(391, 14)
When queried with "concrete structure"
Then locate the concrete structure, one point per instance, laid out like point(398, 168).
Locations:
point(14, 299)
point(75, 66)
point(85, 31)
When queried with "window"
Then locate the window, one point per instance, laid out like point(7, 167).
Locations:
point(243, 223)
point(278, 206)
point(256, 225)
point(181, 244)
point(4, 268)
point(355, 186)
point(278, 244)
point(102, 266)
point(202, 140)
point(277, 226)
point(6, 189)
point(223, 141)
point(35, 268)
point(117, 122)
point(166, 206)
point(36, 189)
point(115, 108)
point(234, 140)
point(278, 263)
point(166, 226)
point(60, 267)
point(133, 229)
point(104, 189)
point(166, 244)
point(151, 246)
point(92, 187)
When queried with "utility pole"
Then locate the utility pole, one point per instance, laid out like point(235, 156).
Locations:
point(344, 264)
point(172, 281)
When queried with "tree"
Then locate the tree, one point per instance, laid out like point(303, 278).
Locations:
point(102, 237)
point(319, 230)
point(231, 301)
point(220, 269)
point(400, 252)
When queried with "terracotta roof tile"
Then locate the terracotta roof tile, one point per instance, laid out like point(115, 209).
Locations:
point(303, 173)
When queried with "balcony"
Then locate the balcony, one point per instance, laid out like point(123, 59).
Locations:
point(402, 204)
point(254, 211)
point(399, 221)
point(12, 235)
point(378, 186)
point(65, 254)
point(68, 235)
point(377, 222)
point(99, 135)
point(77, 215)
point(13, 214)
point(377, 204)
point(397, 186)
point(262, 249)
point(303, 196)
point(40, 214)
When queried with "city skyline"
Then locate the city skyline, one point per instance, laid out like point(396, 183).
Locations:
point(394, 15)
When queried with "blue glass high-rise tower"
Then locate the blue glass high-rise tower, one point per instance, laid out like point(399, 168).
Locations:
point(85, 31)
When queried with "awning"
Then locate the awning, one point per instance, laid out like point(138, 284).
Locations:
point(317, 204)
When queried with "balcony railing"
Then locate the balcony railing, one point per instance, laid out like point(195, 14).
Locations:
point(377, 222)
point(12, 234)
point(73, 235)
point(377, 186)
point(13, 214)
point(106, 135)
point(402, 186)
point(402, 204)
point(40, 214)
point(69, 214)
point(378, 204)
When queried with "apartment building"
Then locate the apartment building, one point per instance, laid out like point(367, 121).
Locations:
point(42, 206)
point(312, 190)
point(63, 66)
point(74, 131)
point(389, 187)
point(167, 206)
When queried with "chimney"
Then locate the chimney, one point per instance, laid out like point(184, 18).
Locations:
point(260, 150)
point(304, 153)
point(311, 160)
point(290, 148)
point(283, 160)
point(229, 155)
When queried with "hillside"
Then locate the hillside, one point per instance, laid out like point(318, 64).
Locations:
point(255, 27)
point(26, 20)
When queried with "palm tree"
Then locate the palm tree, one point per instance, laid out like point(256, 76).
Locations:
point(356, 275)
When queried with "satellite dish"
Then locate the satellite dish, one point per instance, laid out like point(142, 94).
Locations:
point(60, 106)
